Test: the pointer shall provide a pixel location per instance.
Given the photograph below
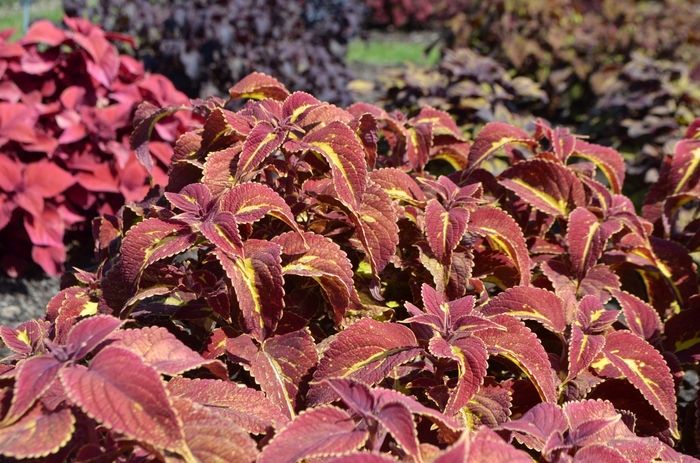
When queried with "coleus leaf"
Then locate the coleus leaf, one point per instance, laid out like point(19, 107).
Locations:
point(364, 457)
point(529, 303)
point(145, 119)
point(645, 368)
point(367, 351)
point(325, 262)
point(212, 436)
point(520, 345)
point(279, 365)
point(87, 334)
point(257, 86)
point(248, 408)
point(33, 377)
point(471, 357)
point(444, 229)
point(545, 185)
point(250, 202)
point(487, 446)
point(493, 137)
point(537, 424)
point(257, 279)
point(586, 240)
point(398, 185)
point(260, 143)
point(641, 318)
point(27, 338)
point(124, 394)
point(319, 431)
point(341, 149)
point(683, 175)
point(152, 240)
point(505, 235)
point(393, 416)
point(583, 349)
point(38, 434)
point(162, 351)
point(609, 161)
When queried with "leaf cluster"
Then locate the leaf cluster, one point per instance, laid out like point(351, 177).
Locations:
point(306, 289)
point(412, 14)
point(206, 46)
point(67, 99)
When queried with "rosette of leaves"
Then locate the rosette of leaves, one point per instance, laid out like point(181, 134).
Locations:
point(206, 46)
point(472, 88)
point(305, 289)
point(67, 99)
point(642, 110)
point(561, 44)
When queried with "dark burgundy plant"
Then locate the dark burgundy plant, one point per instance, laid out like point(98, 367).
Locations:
point(305, 289)
point(67, 99)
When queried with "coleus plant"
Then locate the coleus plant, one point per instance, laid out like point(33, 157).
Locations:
point(67, 100)
point(306, 290)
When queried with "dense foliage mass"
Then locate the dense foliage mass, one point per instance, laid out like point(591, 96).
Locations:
point(67, 100)
point(472, 88)
point(411, 13)
point(568, 45)
point(206, 46)
point(305, 288)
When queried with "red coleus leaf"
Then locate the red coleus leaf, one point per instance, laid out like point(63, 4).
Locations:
point(258, 86)
point(364, 457)
point(27, 338)
point(529, 303)
point(150, 241)
point(38, 434)
point(520, 345)
point(250, 202)
point(444, 229)
point(248, 408)
point(471, 357)
point(645, 368)
point(145, 119)
point(279, 365)
point(212, 436)
point(549, 187)
point(260, 143)
point(493, 137)
point(376, 226)
point(394, 417)
point(640, 317)
point(537, 424)
point(43, 31)
point(583, 349)
point(105, 61)
point(367, 351)
point(162, 351)
point(338, 145)
point(318, 431)
point(398, 185)
point(257, 279)
point(89, 333)
point(487, 447)
point(683, 175)
point(33, 377)
point(124, 394)
point(504, 234)
point(609, 161)
point(324, 261)
point(17, 122)
point(586, 239)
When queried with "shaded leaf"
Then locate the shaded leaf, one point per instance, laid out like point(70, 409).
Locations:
point(38, 434)
point(494, 136)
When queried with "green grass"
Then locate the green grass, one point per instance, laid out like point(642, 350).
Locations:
point(390, 53)
point(11, 16)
